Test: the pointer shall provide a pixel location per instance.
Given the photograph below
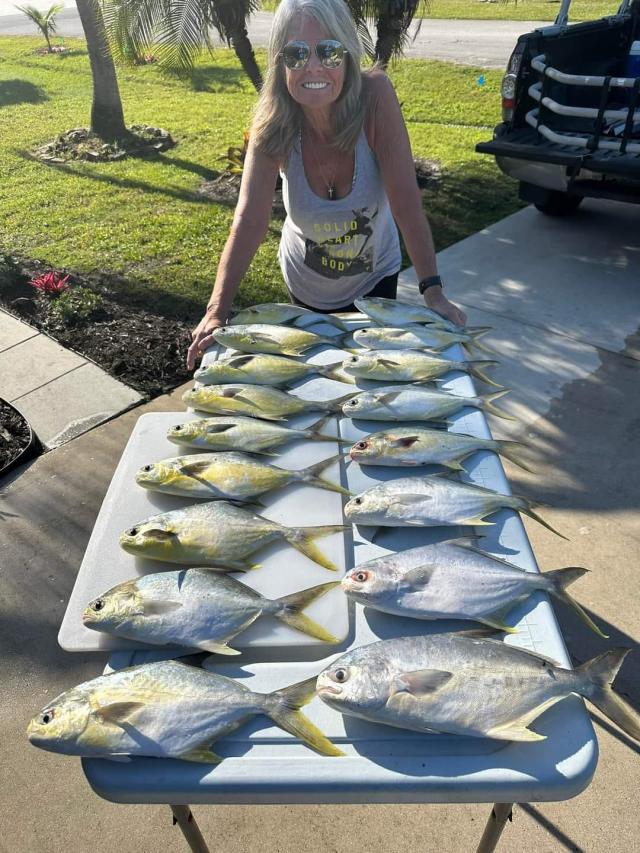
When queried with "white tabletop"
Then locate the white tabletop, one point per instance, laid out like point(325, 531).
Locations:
point(263, 764)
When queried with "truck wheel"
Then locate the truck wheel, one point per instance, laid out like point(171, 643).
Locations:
point(558, 204)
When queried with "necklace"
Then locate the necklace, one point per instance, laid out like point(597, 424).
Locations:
point(330, 185)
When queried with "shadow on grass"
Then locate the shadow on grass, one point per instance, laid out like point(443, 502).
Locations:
point(20, 92)
point(212, 79)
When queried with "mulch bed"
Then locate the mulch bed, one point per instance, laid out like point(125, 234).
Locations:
point(143, 349)
point(15, 434)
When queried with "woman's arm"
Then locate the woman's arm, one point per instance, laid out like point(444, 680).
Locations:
point(250, 223)
point(389, 139)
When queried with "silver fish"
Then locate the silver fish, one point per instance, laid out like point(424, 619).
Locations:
point(414, 445)
point(455, 580)
point(279, 313)
point(240, 433)
point(466, 686)
point(418, 337)
point(433, 501)
point(256, 401)
point(197, 609)
point(218, 534)
point(409, 402)
point(409, 365)
point(264, 369)
point(283, 340)
point(166, 710)
point(390, 312)
point(227, 476)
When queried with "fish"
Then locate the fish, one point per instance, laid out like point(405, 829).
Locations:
point(413, 445)
point(281, 340)
point(417, 403)
point(467, 686)
point(417, 337)
point(280, 313)
point(242, 433)
point(410, 366)
point(256, 401)
point(432, 501)
point(227, 476)
point(220, 534)
point(264, 369)
point(166, 709)
point(456, 579)
point(390, 312)
point(197, 609)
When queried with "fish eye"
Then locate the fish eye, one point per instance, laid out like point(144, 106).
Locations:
point(357, 501)
point(148, 468)
point(361, 577)
point(98, 604)
point(47, 716)
point(340, 675)
point(362, 445)
point(133, 531)
point(353, 358)
point(352, 403)
point(177, 428)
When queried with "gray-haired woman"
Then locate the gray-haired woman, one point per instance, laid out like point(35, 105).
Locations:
point(337, 137)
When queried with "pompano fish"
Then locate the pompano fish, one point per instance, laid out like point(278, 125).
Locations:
point(218, 534)
point(166, 710)
point(455, 580)
point(197, 609)
point(279, 313)
point(433, 501)
point(390, 312)
point(416, 403)
point(409, 365)
point(264, 369)
point(283, 340)
point(228, 476)
point(256, 401)
point(418, 337)
point(466, 686)
point(420, 446)
point(240, 433)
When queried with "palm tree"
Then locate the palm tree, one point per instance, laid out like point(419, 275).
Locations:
point(392, 17)
point(178, 29)
point(45, 21)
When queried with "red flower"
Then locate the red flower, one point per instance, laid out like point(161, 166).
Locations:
point(50, 282)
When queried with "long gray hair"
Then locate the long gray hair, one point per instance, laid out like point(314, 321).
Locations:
point(277, 118)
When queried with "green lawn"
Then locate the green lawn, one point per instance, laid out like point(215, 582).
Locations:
point(143, 220)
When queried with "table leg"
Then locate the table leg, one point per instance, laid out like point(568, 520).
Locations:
point(184, 818)
point(500, 814)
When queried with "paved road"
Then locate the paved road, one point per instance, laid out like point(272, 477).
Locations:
point(484, 43)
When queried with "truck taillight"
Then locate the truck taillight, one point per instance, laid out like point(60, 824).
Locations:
point(508, 95)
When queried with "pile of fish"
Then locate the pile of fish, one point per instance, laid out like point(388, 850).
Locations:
point(460, 683)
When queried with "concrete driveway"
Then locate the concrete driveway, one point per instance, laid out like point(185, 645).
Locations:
point(563, 299)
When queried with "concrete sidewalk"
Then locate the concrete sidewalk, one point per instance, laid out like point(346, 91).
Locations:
point(59, 392)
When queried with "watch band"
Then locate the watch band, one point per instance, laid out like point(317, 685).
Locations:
point(432, 280)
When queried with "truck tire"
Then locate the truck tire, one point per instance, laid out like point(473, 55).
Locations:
point(558, 204)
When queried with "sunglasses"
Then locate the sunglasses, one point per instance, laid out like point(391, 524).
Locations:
point(296, 54)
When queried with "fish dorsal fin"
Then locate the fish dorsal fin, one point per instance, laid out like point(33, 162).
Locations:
point(153, 606)
point(403, 440)
point(475, 549)
point(421, 682)
point(118, 713)
point(544, 660)
point(216, 428)
point(420, 576)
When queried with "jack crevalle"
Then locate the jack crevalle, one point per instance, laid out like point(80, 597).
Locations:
point(256, 401)
point(409, 366)
point(416, 403)
point(166, 710)
point(197, 609)
point(264, 369)
point(279, 313)
point(390, 312)
point(418, 337)
point(467, 686)
point(283, 340)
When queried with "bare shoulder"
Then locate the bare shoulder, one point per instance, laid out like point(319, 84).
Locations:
point(378, 88)
point(384, 119)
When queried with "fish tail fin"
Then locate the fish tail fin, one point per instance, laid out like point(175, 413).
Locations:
point(595, 679)
point(560, 580)
point(291, 611)
point(310, 475)
point(334, 371)
point(474, 370)
point(515, 451)
point(486, 403)
point(335, 320)
point(526, 506)
point(336, 405)
point(476, 332)
point(302, 539)
point(315, 432)
point(283, 707)
point(343, 339)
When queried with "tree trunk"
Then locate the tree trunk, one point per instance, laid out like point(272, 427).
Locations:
point(244, 51)
point(46, 35)
point(389, 30)
point(107, 117)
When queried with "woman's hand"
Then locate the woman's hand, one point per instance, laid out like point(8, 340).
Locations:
point(439, 303)
point(202, 337)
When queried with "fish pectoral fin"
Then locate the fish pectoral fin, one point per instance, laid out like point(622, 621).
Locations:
point(238, 360)
point(159, 606)
point(421, 682)
point(420, 576)
point(257, 337)
point(117, 713)
point(403, 441)
point(216, 648)
point(387, 398)
point(194, 469)
point(387, 362)
point(158, 533)
point(202, 755)
point(217, 428)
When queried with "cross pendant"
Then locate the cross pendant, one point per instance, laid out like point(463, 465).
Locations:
point(331, 192)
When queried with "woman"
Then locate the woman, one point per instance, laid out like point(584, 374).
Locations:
point(338, 139)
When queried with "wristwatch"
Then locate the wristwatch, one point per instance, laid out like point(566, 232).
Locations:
point(432, 280)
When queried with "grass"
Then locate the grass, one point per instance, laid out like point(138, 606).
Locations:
point(143, 221)
point(526, 10)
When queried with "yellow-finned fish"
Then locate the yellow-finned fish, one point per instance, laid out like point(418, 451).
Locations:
point(412, 402)
point(218, 534)
point(256, 401)
point(390, 312)
point(418, 337)
point(265, 369)
point(227, 476)
point(283, 340)
point(279, 313)
point(166, 710)
point(197, 609)
point(409, 366)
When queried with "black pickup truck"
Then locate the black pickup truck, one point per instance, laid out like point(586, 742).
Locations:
point(571, 118)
